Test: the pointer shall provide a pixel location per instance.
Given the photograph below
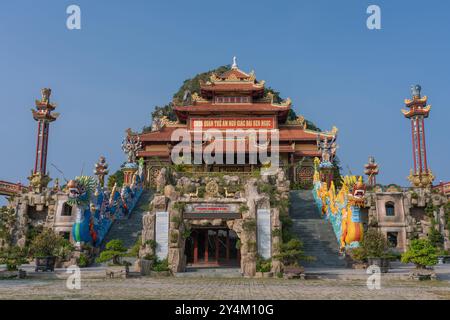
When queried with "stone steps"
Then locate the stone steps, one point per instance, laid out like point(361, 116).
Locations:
point(128, 230)
point(317, 235)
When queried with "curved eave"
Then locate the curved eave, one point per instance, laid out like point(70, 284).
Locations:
point(420, 101)
point(417, 112)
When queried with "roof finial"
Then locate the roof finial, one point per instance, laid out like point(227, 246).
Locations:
point(234, 66)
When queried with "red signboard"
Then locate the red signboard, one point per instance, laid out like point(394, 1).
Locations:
point(232, 123)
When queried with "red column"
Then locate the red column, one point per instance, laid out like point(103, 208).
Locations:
point(419, 147)
point(206, 246)
point(37, 148)
point(196, 248)
point(228, 246)
point(217, 246)
point(424, 146)
point(45, 147)
point(413, 136)
point(41, 147)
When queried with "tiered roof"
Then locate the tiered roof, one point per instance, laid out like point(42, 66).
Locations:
point(233, 82)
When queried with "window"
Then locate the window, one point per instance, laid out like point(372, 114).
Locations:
point(392, 239)
point(67, 210)
point(232, 99)
point(390, 209)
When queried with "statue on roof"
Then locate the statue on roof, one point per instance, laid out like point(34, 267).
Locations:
point(101, 170)
point(327, 149)
point(234, 66)
point(416, 90)
point(187, 98)
point(131, 145)
point(45, 95)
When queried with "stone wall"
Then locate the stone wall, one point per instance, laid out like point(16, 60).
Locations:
point(415, 211)
point(185, 190)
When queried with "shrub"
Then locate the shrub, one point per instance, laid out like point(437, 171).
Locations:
point(179, 206)
point(114, 251)
point(249, 225)
point(358, 254)
point(243, 208)
point(429, 210)
point(374, 244)
point(151, 243)
point(160, 265)
point(48, 243)
point(13, 257)
point(134, 251)
point(291, 253)
point(263, 265)
point(186, 233)
point(83, 260)
point(276, 233)
point(436, 238)
point(176, 220)
point(422, 253)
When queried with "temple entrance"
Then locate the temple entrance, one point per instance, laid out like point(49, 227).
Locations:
point(208, 247)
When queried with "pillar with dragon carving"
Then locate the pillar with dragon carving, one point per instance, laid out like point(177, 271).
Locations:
point(421, 176)
point(371, 170)
point(43, 115)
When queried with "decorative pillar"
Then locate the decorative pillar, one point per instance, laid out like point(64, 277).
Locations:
point(130, 146)
point(327, 148)
point(420, 176)
point(371, 170)
point(39, 178)
point(101, 170)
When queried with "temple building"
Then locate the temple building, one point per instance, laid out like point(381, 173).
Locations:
point(235, 100)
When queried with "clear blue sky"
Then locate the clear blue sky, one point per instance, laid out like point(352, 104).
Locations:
point(133, 55)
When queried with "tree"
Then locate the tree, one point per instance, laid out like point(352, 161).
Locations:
point(117, 177)
point(291, 253)
point(374, 244)
point(13, 257)
point(114, 251)
point(422, 253)
point(435, 237)
point(7, 220)
point(49, 244)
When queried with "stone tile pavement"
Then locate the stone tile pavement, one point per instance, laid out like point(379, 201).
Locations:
point(216, 289)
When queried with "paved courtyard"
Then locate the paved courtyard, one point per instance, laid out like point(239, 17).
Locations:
point(204, 288)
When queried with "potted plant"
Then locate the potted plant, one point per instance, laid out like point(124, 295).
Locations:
point(422, 253)
point(45, 248)
point(375, 248)
point(115, 250)
point(290, 254)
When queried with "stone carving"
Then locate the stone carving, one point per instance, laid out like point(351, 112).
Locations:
point(101, 170)
point(327, 149)
point(161, 180)
point(131, 145)
point(212, 189)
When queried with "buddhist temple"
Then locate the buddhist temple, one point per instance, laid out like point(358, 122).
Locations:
point(236, 100)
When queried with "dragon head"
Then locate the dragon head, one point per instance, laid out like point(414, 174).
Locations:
point(358, 193)
point(80, 190)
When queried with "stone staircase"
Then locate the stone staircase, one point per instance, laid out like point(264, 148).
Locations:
point(316, 233)
point(128, 230)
